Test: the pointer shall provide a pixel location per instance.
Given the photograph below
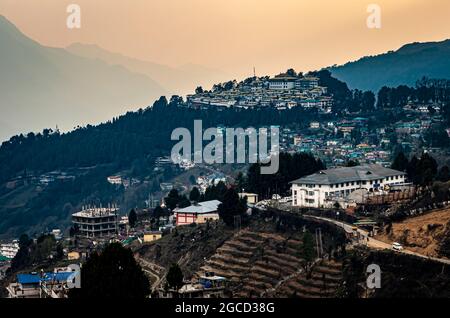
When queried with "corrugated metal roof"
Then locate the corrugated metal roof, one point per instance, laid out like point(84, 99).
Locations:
point(36, 278)
point(202, 207)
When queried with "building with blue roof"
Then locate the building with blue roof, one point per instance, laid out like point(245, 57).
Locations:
point(40, 285)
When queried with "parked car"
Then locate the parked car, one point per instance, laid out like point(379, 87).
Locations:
point(397, 246)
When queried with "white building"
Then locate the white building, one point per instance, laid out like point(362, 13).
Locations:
point(314, 125)
point(96, 222)
point(117, 180)
point(9, 250)
point(54, 284)
point(282, 82)
point(324, 188)
point(308, 82)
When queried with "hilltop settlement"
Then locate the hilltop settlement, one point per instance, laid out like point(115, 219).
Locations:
point(357, 171)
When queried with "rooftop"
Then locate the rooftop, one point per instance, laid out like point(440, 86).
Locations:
point(349, 174)
point(37, 278)
point(201, 207)
point(4, 258)
point(96, 212)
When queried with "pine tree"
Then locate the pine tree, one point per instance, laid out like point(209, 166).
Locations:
point(194, 195)
point(132, 218)
point(172, 199)
point(112, 274)
point(174, 277)
point(308, 247)
point(400, 162)
point(230, 207)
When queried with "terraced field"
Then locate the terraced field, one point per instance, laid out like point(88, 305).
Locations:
point(265, 264)
point(322, 281)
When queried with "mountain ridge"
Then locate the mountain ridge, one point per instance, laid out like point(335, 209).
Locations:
point(180, 80)
point(45, 86)
point(405, 66)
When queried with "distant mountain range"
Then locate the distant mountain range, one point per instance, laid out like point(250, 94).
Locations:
point(42, 87)
point(180, 80)
point(404, 66)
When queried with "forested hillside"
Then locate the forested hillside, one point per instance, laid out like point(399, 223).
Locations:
point(394, 68)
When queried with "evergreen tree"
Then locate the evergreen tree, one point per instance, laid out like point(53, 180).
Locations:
point(22, 257)
point(352, 163)
point(174, 277)
point(112, 274)
point(427, 168)
point(158, 212)
point(132, 218)
point(444, 174)
point(308, 247)
point(241, 181)
point(230, 207)
point(184, 202)
point(172, 199)
point(411, 169)
point(194, 195)
point(291, 167)
point(400, 162)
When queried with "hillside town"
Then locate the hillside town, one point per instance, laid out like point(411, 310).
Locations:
point(284, 91)
point(346, 179)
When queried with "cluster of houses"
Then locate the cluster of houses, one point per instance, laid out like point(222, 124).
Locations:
point(41, 180)
point(119, 180)
point(205, 181)
point(335, 142)
point(282, 92)
point(320, 190)
point(163, 162)
point(55, 284)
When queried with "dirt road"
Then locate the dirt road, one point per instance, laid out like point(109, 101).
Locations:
point(374, 243)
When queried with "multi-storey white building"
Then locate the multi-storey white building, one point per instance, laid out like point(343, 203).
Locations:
point(324, 188)
point(9, 250)
point(282, 82)
point(308, 82)
point(96, 222)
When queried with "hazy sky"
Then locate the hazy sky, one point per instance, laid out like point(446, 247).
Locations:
point(235, 35)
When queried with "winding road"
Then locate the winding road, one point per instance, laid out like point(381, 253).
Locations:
point(374, 243)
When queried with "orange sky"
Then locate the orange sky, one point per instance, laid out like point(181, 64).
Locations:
point(235, 35)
